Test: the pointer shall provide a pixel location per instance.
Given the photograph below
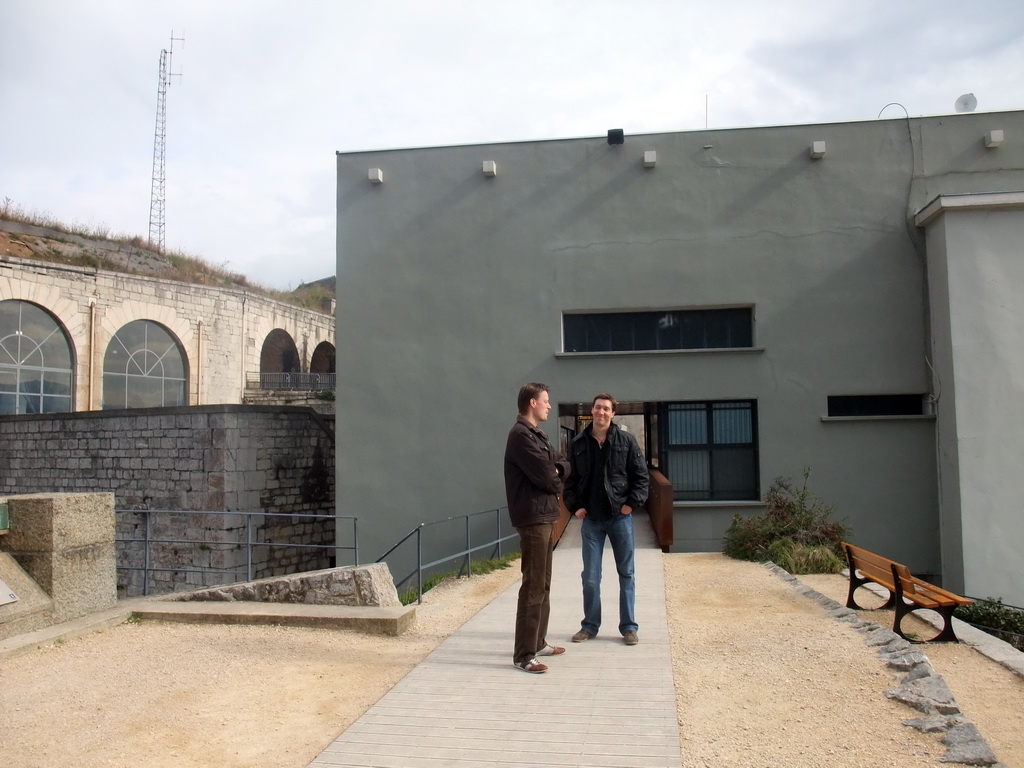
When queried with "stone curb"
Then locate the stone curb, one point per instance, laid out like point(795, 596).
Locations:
point(920, 689)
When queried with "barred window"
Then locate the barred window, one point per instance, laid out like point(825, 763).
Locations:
point(710, 450)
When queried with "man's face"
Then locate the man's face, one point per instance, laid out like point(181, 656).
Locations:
point(602, 412)
point(540, 406)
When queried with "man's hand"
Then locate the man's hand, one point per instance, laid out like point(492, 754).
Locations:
point(581, 513)
point(626, 509)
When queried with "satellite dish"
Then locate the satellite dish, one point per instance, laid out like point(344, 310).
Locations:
point(966, 103)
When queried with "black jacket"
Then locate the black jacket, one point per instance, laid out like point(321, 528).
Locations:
point(626, 480)
point(534, 472)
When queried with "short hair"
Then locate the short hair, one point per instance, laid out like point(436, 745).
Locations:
point(529, 392)
point(606, 396)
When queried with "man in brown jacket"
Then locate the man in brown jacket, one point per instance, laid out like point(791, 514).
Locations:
point(534, 473)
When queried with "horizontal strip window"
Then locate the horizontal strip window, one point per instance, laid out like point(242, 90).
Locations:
point(646, 331)
point(875, 405)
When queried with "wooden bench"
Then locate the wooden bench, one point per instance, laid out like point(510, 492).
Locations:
point(907, 593)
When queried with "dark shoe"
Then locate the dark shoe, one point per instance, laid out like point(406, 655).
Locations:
point(581, 636)
point(551, 650)
point(630, 638)
point(530, 665)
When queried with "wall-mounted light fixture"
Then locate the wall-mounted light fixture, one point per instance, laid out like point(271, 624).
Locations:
point(994, 138)
point(490, 168)
point(817, 150)
point(616, 136)
point(650, 158)
point(376, 176)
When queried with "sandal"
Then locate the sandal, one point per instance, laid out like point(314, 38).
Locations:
point(551, 650)
point(530, 665)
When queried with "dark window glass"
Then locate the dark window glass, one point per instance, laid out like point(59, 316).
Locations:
point(35, 361)
point(641, 331)
point(144, 368)
point(875, 405)
point(710, 450)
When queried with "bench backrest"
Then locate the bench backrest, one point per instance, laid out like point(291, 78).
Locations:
point(924, 593)
point(874, 567)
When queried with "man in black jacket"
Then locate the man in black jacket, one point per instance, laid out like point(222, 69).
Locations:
point(608, 480)
point(534, 472)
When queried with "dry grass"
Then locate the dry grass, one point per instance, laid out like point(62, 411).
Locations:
point(135, 255)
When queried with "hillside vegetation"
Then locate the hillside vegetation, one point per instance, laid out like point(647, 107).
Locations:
point(40, 237)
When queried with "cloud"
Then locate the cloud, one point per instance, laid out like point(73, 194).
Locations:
point(269, 90)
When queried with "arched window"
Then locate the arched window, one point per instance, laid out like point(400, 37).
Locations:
point(144, 368)
point(36, 375)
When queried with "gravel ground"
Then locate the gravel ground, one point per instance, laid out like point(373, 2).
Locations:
point(763, 678)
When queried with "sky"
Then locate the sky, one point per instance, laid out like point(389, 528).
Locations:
point(269, 91)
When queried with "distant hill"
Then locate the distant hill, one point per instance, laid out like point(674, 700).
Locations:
point(327, 283)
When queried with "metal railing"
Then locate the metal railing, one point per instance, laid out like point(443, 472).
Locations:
point(311, 382)
point(255, 524)
point(465, 554)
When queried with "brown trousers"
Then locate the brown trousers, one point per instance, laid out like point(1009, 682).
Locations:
point(536, 543)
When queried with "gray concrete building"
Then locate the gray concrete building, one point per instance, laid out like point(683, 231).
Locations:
point(840, 297)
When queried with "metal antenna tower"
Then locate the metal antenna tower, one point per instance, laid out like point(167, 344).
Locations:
point(157, 194)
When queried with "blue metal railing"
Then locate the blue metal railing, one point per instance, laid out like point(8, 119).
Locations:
point(466, 554)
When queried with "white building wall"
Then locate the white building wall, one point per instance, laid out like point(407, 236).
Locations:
point(976, 272)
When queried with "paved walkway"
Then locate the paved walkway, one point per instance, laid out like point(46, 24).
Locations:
point(599, 704)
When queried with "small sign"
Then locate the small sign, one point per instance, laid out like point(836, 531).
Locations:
point(5, 521)
point(6, 596)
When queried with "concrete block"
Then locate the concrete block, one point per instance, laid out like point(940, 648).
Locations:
point(65, 542)
point(44, 522)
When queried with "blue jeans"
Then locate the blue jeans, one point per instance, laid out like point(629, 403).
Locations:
point(619, 531)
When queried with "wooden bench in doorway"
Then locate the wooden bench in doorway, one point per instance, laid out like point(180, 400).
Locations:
point(907, 593)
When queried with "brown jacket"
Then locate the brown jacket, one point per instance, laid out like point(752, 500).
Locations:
point(534, 472)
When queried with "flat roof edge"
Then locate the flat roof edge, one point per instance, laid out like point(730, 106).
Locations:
point(965, 202)
point(671, 131)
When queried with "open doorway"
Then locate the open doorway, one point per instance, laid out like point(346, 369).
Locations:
point(573, 418)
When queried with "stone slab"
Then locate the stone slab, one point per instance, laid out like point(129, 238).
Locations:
point(391, 620)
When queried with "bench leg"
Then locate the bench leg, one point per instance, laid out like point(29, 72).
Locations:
point(946, 634)
point(858, 581)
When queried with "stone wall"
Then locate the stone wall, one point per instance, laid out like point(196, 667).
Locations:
point(221, 330)
point(275, 462)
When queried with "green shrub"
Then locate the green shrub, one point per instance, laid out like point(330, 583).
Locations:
point(794, 557)
point(990, 615)
point(795, 531)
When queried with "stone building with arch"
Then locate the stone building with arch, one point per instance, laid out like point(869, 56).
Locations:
point(75, 338)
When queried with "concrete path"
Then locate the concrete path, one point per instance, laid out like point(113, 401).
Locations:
point(599, 704)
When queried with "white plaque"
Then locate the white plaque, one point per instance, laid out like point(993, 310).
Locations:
point(6, 596)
